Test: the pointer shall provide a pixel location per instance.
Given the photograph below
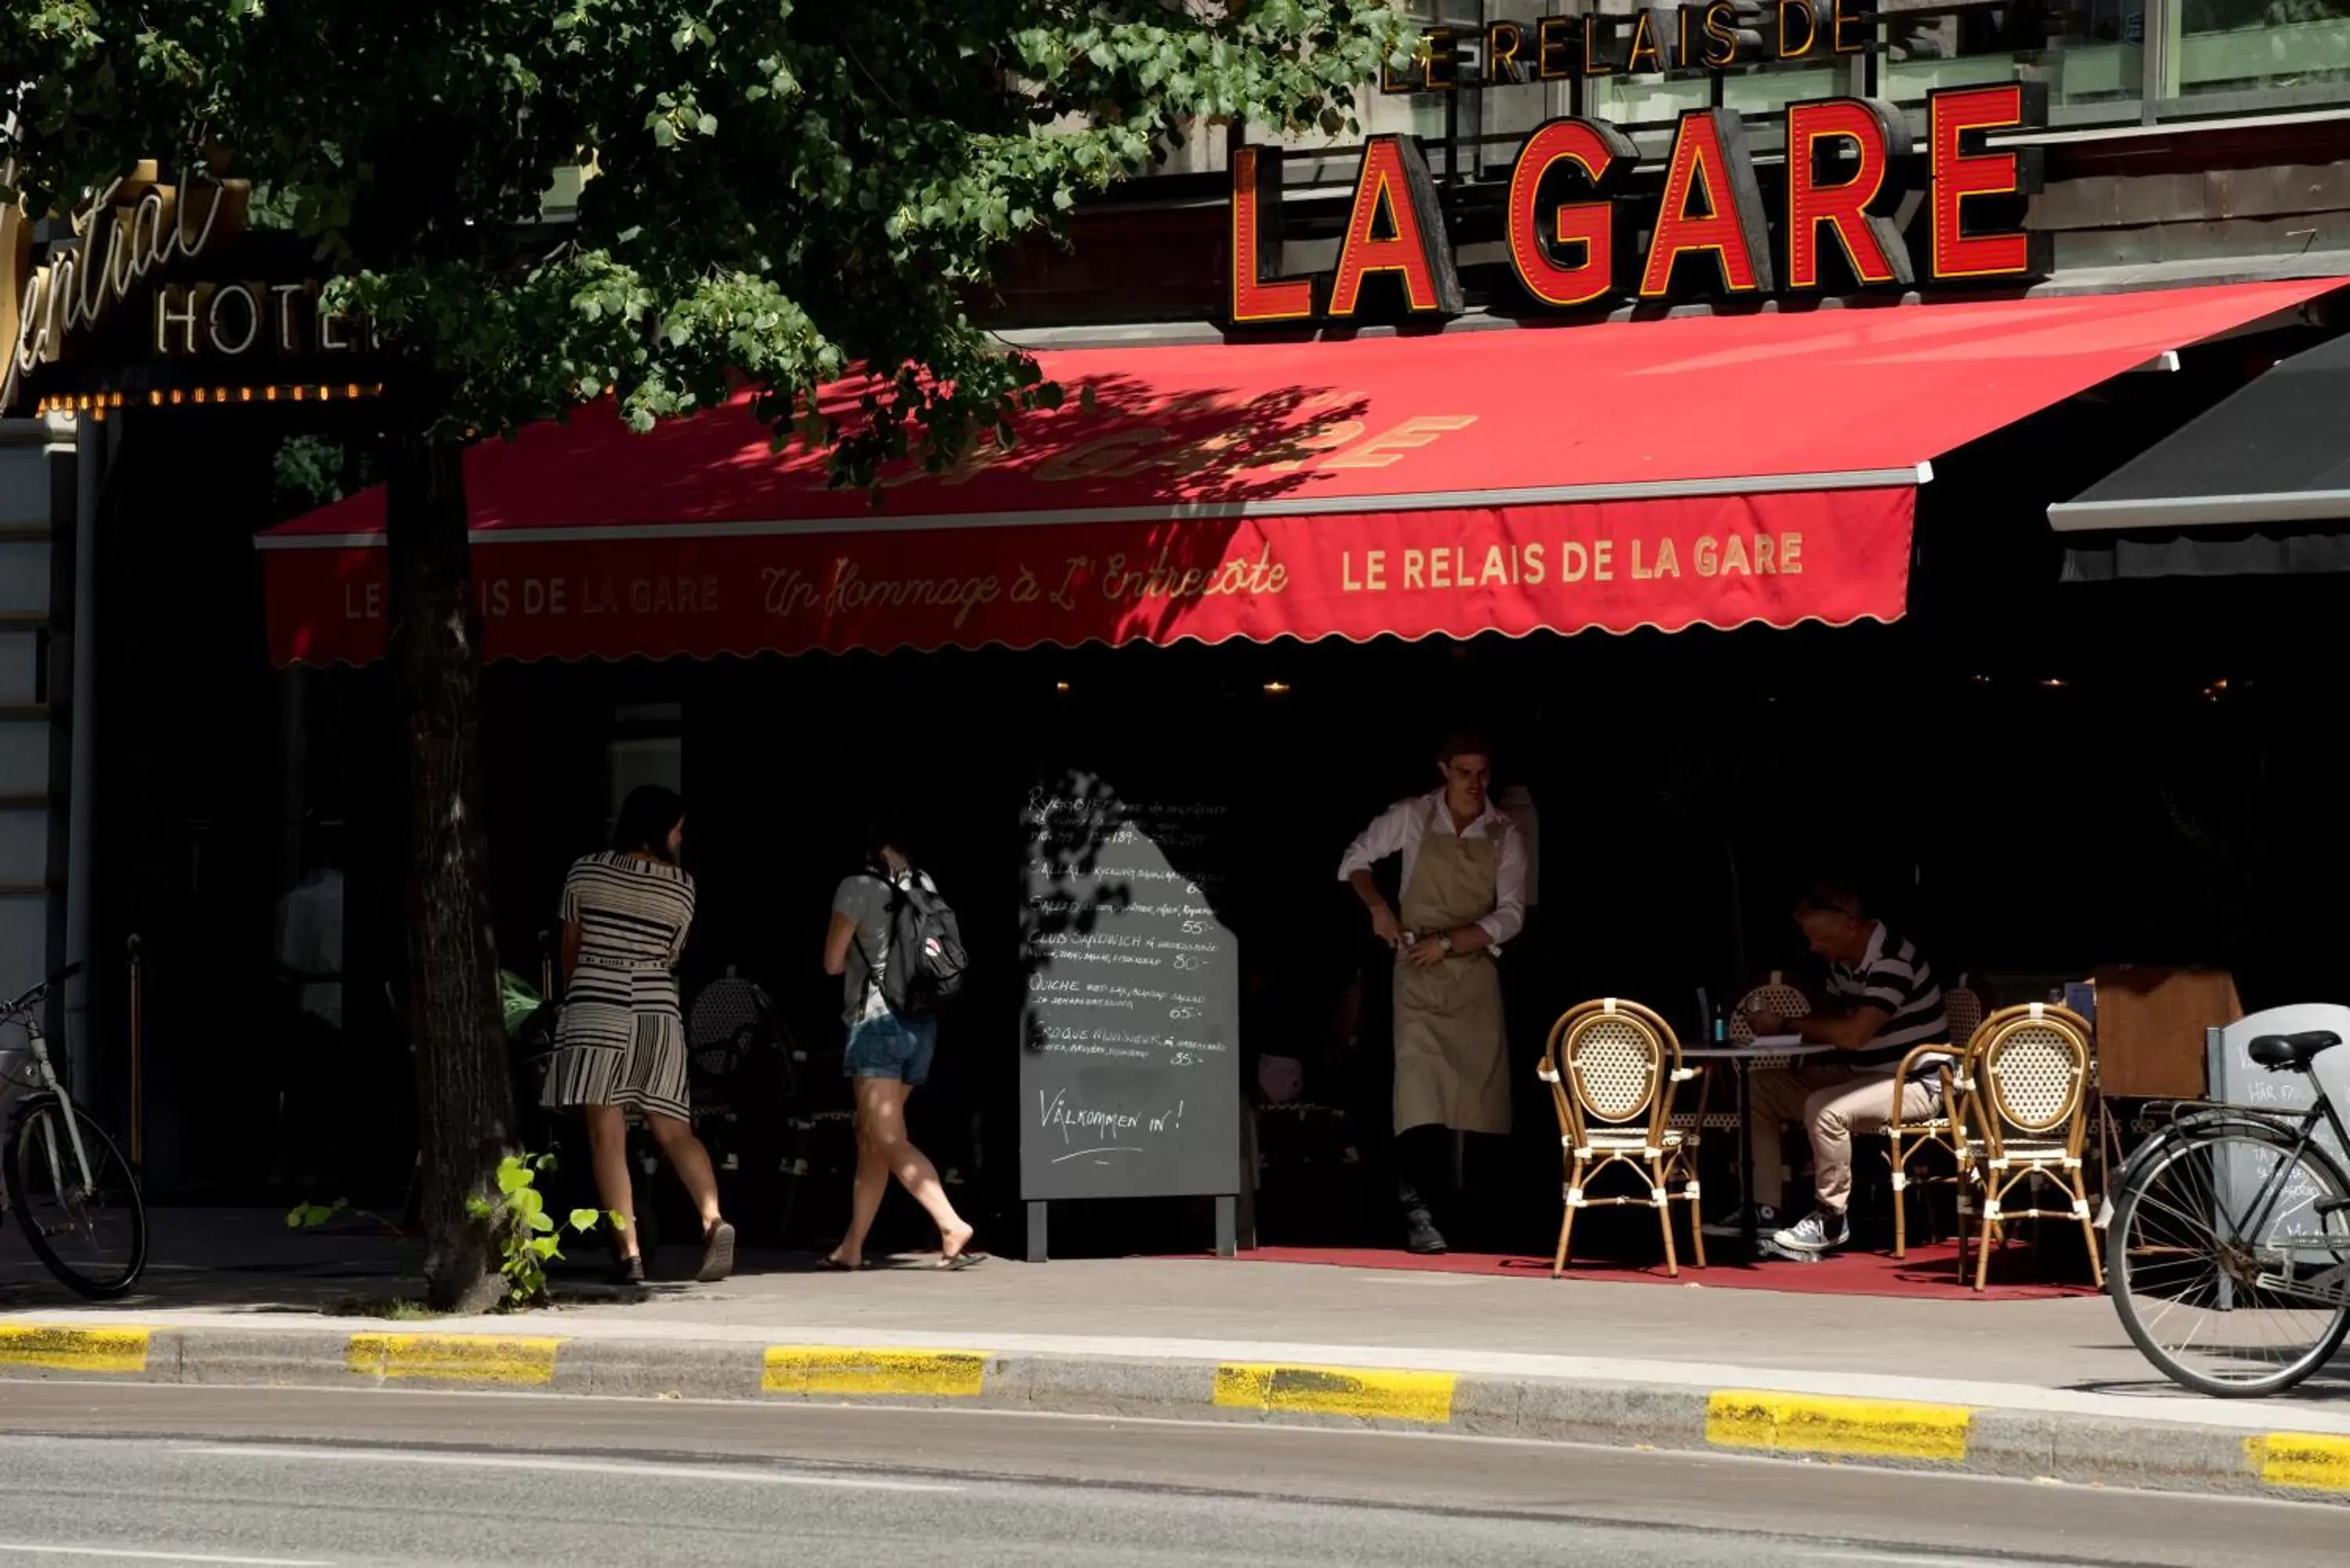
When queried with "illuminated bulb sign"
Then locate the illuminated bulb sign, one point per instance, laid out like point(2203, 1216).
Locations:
point(119, 290)
point(1577, 237)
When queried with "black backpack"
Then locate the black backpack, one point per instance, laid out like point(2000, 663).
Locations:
point(926, 963)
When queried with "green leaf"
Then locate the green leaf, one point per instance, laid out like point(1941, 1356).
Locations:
point(584, 1219)
point(707, 125)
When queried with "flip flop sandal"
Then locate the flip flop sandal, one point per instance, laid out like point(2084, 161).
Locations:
point(832, 1265)
point(717, 1254)
point(963, 1261)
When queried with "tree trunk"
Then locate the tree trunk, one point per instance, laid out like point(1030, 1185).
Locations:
point(464, 1109)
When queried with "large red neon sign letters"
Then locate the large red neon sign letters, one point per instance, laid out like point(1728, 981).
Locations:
point(1571, 227)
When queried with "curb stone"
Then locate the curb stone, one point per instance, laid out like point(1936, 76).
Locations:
point(2087, 1449)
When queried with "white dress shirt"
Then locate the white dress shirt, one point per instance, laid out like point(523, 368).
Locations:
point(1399, 829)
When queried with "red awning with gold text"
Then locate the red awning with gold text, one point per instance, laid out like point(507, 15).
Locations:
point(1699, 470)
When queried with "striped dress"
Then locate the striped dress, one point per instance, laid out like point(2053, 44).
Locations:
point(622, 1038)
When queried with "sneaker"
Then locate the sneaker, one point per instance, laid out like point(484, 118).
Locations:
point(1762, 1217)
point(717, 1254)
point(1421, 1235)
point(1819, 1232)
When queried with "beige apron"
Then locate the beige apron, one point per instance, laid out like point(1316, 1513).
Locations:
point(1451, 1057)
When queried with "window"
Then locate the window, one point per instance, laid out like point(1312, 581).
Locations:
point(2258, 46)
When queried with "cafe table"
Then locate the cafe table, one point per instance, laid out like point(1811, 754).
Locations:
point(1744, 1059)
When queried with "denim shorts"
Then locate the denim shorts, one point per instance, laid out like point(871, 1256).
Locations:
point(892, 1048)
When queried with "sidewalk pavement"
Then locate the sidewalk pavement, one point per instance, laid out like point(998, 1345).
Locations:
point(2043, 1390)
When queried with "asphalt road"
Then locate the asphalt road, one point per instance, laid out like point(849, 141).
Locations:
point(289, 1478)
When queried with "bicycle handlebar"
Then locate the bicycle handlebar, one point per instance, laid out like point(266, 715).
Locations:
point(25, 1002)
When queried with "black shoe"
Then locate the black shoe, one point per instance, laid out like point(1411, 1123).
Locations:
point(1421, 1237)
point(628, 1270)
point(1762, 1217)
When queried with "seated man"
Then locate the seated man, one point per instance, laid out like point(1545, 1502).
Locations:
point(1882, 1003)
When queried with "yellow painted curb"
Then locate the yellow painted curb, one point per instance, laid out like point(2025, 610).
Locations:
point(859, 1370)
point(74, 1349)
point(2303, 1459)
point(1812, 1423)
point(454, 1357)
point(1364, 1393)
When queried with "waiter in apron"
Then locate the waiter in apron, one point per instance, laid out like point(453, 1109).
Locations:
point(1464, 879)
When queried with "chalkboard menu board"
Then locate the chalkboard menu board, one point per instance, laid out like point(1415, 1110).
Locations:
point(2237, 1080)
point(1129, 1060)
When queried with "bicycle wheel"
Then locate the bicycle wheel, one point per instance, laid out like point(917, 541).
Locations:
point(91, 1233)
point(2227, 1301)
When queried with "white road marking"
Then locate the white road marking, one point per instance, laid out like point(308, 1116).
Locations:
point(1899, 1560)
point(34, 1548)
point(573, 1466)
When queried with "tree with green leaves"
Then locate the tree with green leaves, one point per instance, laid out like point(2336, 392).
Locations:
point(772, 196)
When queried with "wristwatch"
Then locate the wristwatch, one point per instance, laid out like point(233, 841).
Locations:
point(1445, 938)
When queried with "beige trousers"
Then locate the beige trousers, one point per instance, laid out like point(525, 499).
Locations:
point(1832, 1102)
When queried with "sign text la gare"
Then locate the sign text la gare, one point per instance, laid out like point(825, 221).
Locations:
point(1573, 228)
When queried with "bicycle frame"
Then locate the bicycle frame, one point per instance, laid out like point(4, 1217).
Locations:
point(45, 1081)
point(2329, 1287)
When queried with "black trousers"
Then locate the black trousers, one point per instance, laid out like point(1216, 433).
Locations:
point(1423, 1163)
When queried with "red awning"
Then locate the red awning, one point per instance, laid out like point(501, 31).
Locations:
point(1715, 470)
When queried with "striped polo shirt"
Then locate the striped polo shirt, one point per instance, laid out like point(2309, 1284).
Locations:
point(1893, 975)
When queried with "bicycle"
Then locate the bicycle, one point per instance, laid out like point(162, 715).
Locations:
point(72, 1190)
point(2229, 1263)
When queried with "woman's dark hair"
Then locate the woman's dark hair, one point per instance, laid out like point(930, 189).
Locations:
point(646, 818)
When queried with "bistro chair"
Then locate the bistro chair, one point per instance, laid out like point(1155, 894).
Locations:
point(1774, 995)
point(1779, 995)
point(1941, 1129)
point(1907, 1140)
point(1962, 1008)
point(1613, 1067)
point(2025, 1120)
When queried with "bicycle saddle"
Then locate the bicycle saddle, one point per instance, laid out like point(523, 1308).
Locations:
point(2279, 1052)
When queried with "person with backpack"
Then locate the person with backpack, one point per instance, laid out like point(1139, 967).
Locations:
point(896, 945)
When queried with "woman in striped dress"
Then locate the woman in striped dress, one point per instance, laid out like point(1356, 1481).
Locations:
point(620, 1045)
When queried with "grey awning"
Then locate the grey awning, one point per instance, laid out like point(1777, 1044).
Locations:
point(2274, 457)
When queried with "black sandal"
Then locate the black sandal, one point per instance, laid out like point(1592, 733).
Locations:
point(837, 1265)
point(628, 1270)
point(717, 1254)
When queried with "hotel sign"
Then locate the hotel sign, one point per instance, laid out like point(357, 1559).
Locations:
point(141, 279)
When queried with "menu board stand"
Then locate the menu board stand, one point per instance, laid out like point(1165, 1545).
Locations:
point(1227, 1227)
point(1130, 1025)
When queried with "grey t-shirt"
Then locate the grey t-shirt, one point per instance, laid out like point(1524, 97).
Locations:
point(865, 899)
